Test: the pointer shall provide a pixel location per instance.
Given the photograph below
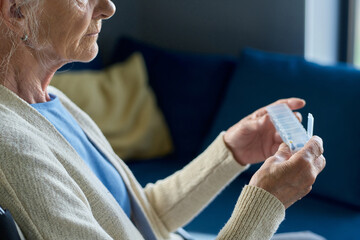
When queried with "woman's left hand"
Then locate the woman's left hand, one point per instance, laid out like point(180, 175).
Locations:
point(254, 138)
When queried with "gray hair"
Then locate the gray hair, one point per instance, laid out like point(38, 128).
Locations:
point(30, 9)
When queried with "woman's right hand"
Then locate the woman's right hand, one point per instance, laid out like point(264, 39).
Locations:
point(290, 177)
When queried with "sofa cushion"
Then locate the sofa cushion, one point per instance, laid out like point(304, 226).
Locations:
point(333, 97)
point(327, 218)
point(188, 88)
point(123, 105)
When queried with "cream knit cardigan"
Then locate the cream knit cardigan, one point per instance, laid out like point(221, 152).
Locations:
point(52, 194)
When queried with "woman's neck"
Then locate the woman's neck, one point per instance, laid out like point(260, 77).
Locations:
point(28, 78)
point(26, 88)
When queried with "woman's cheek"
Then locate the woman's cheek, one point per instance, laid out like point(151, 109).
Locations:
point(81, 4)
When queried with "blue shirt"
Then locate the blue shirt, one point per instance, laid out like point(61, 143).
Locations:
point(63, 121)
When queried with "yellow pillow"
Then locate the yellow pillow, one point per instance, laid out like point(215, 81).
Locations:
point(123, 105)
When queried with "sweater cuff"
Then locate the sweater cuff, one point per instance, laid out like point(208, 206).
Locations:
point(257, 215)
point(220, 146)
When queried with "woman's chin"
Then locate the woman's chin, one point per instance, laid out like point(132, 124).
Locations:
point(88, 55)
point(89, 59)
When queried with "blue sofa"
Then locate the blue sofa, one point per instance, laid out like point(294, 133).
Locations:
point(203, 94)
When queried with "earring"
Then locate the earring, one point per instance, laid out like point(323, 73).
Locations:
point(25, 38)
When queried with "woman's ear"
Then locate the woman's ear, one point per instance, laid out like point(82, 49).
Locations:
point(11, 14)
point(15, 11)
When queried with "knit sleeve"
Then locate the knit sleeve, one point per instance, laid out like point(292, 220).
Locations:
point(257, 215)
point(180, 197)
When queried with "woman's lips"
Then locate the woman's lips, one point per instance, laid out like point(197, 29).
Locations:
point(92, 34)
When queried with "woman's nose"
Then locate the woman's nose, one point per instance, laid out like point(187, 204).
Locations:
point(104, 9)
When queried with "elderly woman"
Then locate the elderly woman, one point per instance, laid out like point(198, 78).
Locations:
point(59, 176)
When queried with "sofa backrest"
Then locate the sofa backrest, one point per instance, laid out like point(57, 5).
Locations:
point(333, 97)
point(188, 87)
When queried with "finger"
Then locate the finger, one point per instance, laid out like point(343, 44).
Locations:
point(298, 116)
point(277, 138)
point(293, 103)
point(283, 152)
point(320, 163)
point(274, 148)
point(312, 149)
point(260, 112)
point(315, 146)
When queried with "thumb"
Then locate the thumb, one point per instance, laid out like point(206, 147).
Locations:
point(284, 151)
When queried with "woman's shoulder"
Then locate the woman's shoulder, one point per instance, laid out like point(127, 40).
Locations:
point(19, 130)
point(15, 132)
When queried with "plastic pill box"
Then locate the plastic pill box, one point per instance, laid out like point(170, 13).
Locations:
point(290, 129)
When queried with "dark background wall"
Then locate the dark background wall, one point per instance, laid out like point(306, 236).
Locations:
point(213, 26)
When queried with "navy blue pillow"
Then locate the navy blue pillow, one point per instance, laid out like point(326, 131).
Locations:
point(333, 97)
point(188, 88)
